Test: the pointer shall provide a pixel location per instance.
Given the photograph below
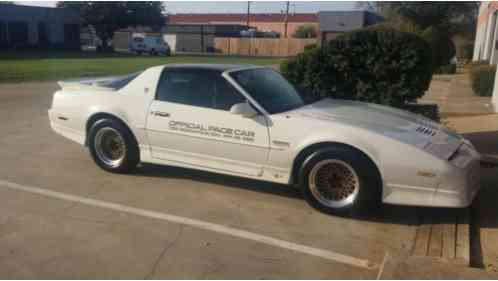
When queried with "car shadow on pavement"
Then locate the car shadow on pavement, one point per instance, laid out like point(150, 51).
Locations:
point(392, 214)
point(152, 170)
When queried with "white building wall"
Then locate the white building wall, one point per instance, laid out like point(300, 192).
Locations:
point(486, 41)
point(494, 99)
point(489, 37)
point(494, 53)
point(479, 42)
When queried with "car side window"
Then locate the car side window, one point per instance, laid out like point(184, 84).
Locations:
point(187, 86)
point(226, 95)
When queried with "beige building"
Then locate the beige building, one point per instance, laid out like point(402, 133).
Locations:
point(263, 22)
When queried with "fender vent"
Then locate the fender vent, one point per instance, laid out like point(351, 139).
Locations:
point(426, 131)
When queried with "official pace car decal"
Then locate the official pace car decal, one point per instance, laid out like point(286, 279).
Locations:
point(212, 131)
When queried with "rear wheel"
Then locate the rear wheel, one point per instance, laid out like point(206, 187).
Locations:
point(113, 147)
point(340, 180)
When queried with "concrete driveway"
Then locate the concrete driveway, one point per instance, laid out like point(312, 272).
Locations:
point(63, 217)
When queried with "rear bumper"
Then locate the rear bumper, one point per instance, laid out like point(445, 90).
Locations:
point(59, 126)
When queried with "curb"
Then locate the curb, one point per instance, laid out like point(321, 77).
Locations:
point(403, 266)
point(443, 233)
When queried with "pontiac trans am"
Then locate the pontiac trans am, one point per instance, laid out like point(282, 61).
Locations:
point(250, 122)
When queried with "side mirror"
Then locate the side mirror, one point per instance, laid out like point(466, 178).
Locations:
point(243, 109)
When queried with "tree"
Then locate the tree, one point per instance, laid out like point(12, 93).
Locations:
point(107, 17)
point(454, 17)
point(305, 31)
point(443, 48)
point(436, 22)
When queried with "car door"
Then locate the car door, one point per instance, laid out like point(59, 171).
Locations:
point(190, 122)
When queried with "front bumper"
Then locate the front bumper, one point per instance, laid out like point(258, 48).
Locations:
point(458, 186)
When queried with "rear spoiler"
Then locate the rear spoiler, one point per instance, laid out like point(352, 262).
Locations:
point(97, 84)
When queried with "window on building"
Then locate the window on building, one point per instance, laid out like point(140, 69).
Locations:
point(72, 36)
point(3, 35)
point(42, 35)
point(18, 33)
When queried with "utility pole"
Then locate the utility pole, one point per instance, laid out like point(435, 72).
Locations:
point(248, 13)
point(286, 19)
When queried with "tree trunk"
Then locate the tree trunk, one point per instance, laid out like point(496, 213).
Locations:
point(105, 47)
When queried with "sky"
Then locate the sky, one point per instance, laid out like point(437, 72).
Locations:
point(238, 6)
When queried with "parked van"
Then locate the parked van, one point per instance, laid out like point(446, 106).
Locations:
point(153, 45)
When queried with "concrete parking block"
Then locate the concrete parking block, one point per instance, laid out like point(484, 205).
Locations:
point(443, 233)
point(402, 266)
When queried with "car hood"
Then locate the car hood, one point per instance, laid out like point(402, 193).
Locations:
point(401, 125)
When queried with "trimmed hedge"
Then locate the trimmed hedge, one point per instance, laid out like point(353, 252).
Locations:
point(375, 64)
point(483, 79)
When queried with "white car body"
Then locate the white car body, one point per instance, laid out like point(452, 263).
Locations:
point(420, 162)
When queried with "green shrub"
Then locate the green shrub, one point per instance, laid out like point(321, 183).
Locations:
point(483, 79)
point(376, 64)
point(443, 48)
point(446, 69)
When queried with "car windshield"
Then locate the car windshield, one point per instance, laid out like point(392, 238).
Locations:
point(269, 89)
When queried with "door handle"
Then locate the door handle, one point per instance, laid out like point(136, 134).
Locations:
point(160, 114)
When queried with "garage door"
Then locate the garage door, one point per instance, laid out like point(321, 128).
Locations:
point(18, 33)
point(71, 36)
point(3, 35)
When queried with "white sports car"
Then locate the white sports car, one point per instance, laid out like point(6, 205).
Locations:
point(250, 122)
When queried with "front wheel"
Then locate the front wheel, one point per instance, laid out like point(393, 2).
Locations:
point(340, 180)
point(113, 147)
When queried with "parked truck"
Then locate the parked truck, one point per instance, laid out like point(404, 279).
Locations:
point(153, 45)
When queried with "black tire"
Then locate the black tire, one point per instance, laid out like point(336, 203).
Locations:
point(369, 187)
point(131, 156)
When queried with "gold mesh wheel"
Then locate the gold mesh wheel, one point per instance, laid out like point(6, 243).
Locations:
point(334, 183)
point(110, 146)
